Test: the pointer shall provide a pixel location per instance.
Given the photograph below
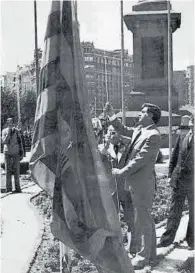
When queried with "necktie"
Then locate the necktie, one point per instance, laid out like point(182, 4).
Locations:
point(116, 148)
point(130, 148)
point(190, 139)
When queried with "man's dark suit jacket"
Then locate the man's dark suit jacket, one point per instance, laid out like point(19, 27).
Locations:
point(181, 167)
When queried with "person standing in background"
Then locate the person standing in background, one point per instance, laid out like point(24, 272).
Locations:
point(14, 152)
point(181, 176)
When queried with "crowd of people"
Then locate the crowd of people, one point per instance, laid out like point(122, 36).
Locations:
point(129, 155)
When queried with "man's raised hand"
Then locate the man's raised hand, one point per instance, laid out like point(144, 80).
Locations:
point(108, 109)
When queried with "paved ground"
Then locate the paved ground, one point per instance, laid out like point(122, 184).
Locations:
point(20, 231)
point(173, 261)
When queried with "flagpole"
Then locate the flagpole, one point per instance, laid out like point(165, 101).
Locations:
point(107, 96)
point(76, 9)
point(36, 48)
point(61, 257)
point(169, 75)
point(95, 107)
point(122, 63)
point(18, 96)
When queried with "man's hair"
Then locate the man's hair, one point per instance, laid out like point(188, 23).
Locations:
point(155, 110)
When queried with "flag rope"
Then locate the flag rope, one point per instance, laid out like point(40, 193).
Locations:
point(117, 197)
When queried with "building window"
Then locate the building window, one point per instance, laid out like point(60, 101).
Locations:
point(88, 58)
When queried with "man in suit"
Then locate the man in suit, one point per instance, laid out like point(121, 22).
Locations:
point(138, 169)
point(113, 149)
point(181, 174)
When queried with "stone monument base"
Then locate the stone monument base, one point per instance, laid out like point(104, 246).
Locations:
point(164, 121)
point(160, 98)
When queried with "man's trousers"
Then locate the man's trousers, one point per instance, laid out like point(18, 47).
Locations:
point(124, 199)
point(144, 224)
point(177, 203)
point(12, 166)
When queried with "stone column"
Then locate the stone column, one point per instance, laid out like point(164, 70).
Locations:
point(148, 23)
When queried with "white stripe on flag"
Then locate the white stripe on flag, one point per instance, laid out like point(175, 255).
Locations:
point(51, 50)
point(43, 177)
point(46, 102)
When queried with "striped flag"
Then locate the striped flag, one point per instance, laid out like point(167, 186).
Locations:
point(65, 161)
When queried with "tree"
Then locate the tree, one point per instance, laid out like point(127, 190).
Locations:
point(8, 105)
point(27, 96)
point(28, 107)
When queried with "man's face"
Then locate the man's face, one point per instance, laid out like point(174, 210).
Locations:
point(144, 115)
point(10, 123)
point(114, 137)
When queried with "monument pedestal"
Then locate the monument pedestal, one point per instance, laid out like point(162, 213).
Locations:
point(136, 100)
point(149, 25)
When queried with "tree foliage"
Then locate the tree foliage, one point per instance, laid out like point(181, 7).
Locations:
point(27, 98)
point(28, 107)
point(8, 106)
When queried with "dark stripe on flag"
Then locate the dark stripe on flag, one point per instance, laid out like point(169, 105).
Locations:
point(45, 126)
point(57, 200)
point(63, 160)
point(84, 151)
point(76, 200)
point(53, 25)
point(50, 74)
point(67, 23)
point(51, 162)
point(94, 191)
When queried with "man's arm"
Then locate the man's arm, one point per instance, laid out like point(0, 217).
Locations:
point(148, 152)
point(5, 136)
point(120, 128)
point(103, 149)
point(174, 157)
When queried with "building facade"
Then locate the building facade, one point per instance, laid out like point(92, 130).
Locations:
point(23, 79)
point(190, 84)
point(8, 80)
point(181, 87)
point(27, 78)
point(103, 74)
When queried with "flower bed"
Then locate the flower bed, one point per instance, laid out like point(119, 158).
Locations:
point(47, 256)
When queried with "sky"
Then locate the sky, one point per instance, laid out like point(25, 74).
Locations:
point(99, 22)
